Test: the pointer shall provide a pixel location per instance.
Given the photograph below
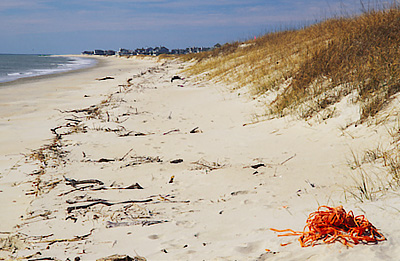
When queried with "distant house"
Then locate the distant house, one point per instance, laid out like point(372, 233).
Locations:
point(160, 50)
point(150, 51)
point(140, 51)
point(125, 52)
point(99, 52)
point(110, 52)
point(178, 51)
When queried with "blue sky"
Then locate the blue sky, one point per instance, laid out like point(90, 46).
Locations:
point(71, 26)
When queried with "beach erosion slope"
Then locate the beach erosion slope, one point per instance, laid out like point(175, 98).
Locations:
point(119, 159)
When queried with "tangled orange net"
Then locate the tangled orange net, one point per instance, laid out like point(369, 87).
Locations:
point(329, 225)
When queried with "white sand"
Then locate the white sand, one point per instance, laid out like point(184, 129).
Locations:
point(220, 212)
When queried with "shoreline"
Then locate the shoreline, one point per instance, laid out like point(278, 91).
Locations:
point(30, 79)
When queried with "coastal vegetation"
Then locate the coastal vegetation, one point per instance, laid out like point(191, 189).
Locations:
point(309, 70)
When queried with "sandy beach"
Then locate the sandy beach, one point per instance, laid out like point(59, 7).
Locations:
point(120, 160)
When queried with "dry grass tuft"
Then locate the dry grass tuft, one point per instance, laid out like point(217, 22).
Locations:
point(315, 67)
point(377, 170)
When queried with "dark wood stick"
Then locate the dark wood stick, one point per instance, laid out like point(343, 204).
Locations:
point(107, 203)
point(283, 162)
point(168, 132)
point(74, 182)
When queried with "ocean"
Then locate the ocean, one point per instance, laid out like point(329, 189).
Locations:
point(16, 66)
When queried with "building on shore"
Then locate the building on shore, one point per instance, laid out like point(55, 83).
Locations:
point(148, 51)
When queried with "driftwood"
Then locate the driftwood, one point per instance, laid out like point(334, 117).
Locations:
point(74, 182)
point(72, 128)
point(107, 203)
point(70, 201)
point(102, 160)
point(42, 258)
point(133, 133)
point(111, 160)
point(168, 132)
point(134, 223)
point(92, 187)
point(74, 120)
point(105, 78)
point(258, 166)
point(125, 155)
point(134, 186)
point(196, 130)
point(119, 129)
point(89, 110)
point(309, 183)
point(176, 77)
point(176, 161)
point(283, 162)
point(76, 189)
point(76, 238)
point(45, 215)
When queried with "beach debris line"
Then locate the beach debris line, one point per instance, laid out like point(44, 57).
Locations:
point(328, 225)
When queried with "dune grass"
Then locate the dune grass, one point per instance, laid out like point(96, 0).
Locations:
point(313, 68)
point(376, 171)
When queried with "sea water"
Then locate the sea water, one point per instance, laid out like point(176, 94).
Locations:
point(16, 66)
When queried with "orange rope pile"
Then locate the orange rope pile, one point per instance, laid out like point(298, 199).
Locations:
point(334, 224)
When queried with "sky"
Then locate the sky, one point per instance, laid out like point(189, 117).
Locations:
point(72, 26)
